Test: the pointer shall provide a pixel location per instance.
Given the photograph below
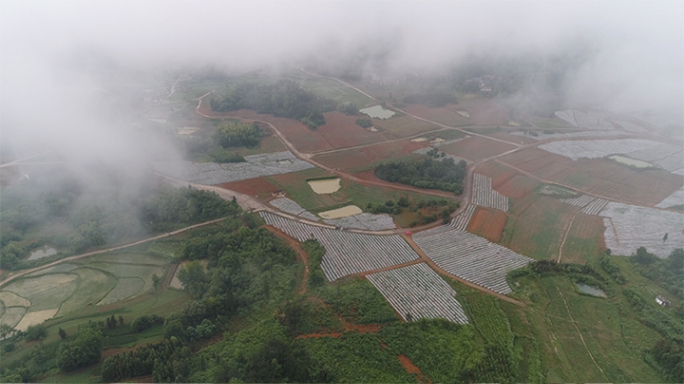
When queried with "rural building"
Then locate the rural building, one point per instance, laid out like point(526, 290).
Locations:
point(662, 301)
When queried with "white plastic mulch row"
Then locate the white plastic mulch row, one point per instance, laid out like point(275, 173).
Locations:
point(631, 127)
point(629, 227)
point(677, 198)
point(669, 157)
point(595, 207)
point(484, 195)
point(372, 222)
point(470, 257)
point(347, 253)
point(418, 291)
point(590, 120)
point(579, 201)
point(461, 221)
point(214, 173)
point(290, 206)
point(544, 136)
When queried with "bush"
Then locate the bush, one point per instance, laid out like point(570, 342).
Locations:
point(364, 123)
point(85, 350)
point(35, 332)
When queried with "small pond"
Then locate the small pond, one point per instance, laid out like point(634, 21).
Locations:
point(349, 210)
point(630, 161)
point(325, 186)
point(377, 112)
point(41, 252)
point(589, 290)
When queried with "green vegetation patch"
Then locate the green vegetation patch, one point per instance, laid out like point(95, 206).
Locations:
point(93, 286)
point(358, 301)
point(555, 191)
point(127, 287)
point(443, 174)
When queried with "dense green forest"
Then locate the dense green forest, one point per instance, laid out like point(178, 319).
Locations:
point(233, 134)
point(284, 98)
point(430, 173)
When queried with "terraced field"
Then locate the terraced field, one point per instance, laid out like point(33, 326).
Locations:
point(470, 257)
point(347, 253)
point(417, 292)
point(67, 287)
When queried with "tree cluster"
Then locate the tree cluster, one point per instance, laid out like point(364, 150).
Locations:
point(284, 98)
point(85, 350)
point(234, 134)
point(444, 175)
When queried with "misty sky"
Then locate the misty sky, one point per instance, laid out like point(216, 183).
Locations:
point(637, 48)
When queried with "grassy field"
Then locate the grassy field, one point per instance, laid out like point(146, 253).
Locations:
point(615, 335)
point(330, 89)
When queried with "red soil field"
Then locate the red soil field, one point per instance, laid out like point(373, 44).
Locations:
point(599, 176)
point(341, 131)
point(403, 126)
point(444, 115)
point(585, 239)
point(484, 111)
point(259, 187)
point(506, 180)
point(487, 223)
point(366, 156)
point(475, 148)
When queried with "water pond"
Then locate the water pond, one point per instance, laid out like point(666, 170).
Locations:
point(325, 186)
point(589, 290)
point(630, 161)
point(349, 210)
point(41, 252)
point(377, 112)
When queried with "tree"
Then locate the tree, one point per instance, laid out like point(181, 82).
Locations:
point(156, 282)
point(665, 237)
point(85, 350)
point(62, 333)
point(121, 320)
point(5, 330)
point(35, 332)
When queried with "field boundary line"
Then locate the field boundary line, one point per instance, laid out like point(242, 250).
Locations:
point(565, 236)
point(76, 257)
point(441, 271)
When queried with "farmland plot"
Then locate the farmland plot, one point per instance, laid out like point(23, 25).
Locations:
point(347, 253)
point(631, 127)
point(669, 157)
point(461, 221)
point(471, 257)
point(291, 207)
point(484, 195)
point(579, 201)
point(674, 199)
point(213, 173)
point(570, 135)
point(629, 227)
point(373, 222)
point(590, 120)
point(419, 291)
point(595, 207)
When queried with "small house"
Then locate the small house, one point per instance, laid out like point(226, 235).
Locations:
point(662, 301)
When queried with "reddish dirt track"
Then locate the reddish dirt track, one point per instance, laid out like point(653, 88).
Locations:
point(487, 223)
point(413, 369)
point(300, 252)
point(476, 148)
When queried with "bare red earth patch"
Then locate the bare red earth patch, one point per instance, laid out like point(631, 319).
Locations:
point(476, 148)
point(446, 115)
point(487, 223)
point(259, 187)
point(413, 369)
point(366, 156)
point(341, 131)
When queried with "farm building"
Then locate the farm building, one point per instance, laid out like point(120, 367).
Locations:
point(662, 301)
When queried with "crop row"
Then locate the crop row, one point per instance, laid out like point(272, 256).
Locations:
point(579, 201)
point(369, 221)
point(471, 257)
point(484, 195)
point(347, 253)
point(590, 120)
point(417, 292)
point(461, 221)
point(595, 207)
point(253, 166)
point(290, 206)
point(629, 227)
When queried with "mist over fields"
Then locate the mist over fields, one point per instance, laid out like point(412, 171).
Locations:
point(58, 57)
